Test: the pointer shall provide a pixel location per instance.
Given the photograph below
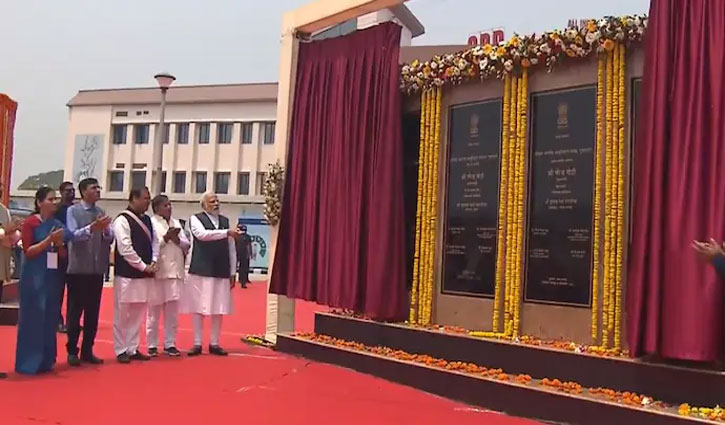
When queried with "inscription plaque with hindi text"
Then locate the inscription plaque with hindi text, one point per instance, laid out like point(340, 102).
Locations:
point(559, 244)
point(472, 208)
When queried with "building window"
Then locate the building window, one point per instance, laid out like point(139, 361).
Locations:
point(163, 181)
point(247, 133)
point(138, 179)
point(224, 133)
point(221, 183)
point(200, 182)
point(121, 113)
point(115, 181)
point(243, 184)
point(180, 182)
point(268, 133)
point(167, 130)
point(204, 129)
point(261, 177)
point(141, 134)
point(119, 134)
point(182, 133)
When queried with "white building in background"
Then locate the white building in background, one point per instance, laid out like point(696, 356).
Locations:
point(217, 137)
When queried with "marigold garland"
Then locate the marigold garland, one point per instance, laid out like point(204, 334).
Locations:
point(612, 254)
point(413, 316)
point(620, 199)
point(606, 299)
point(556, 385)
point(502, 201)
point(511, 143)
point(521, 183)
point(597, 198)
point(426, 223)
point(522, 53)
point(433, 203)
point(614, 193)
point(426, 200)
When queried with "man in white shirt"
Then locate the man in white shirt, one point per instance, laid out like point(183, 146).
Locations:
point(137, 250)
point(165, 292)
point(207, 290)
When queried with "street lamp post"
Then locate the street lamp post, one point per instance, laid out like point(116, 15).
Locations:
point(164, 80)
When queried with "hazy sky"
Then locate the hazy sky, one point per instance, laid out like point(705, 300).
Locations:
point(53, 48)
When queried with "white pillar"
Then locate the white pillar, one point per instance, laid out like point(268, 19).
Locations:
point(280, 309)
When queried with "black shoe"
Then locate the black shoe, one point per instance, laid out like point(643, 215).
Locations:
point(172, 352)
point(73, 360)
point(3, 375)
point(244, 286)
point(123, 358)
point(91, 359)
point(140, 356)
point(62, 329)
point(217, 350)
point(153, 352)
point(195, 351)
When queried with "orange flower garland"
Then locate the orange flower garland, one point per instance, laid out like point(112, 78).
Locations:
point(556, 385)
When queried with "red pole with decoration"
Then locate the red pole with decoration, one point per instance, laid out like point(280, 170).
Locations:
point(8, 109)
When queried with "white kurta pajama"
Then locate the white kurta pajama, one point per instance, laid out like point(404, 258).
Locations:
point(165, 292)
point(208, 296)
point(130, 295)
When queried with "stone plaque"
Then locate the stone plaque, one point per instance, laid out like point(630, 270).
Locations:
point(559, 246)
point(472, 209)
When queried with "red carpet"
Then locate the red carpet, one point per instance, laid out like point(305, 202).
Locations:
point(252, 386)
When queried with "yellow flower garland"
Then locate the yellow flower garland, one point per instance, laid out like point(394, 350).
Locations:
point(433, 203)
point(520, 183)
point(427, 203)
point(597, 196)
point(614, 198)
point(413, 316)
point(510, 224)
point(620, 200)
point(606, 300)
point(426, 210)
point(502, 200)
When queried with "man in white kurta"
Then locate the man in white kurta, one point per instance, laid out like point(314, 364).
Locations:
point(137, 249)
point(164, 294)
point(208, 285)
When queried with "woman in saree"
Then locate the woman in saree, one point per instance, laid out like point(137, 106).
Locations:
point(40, 284)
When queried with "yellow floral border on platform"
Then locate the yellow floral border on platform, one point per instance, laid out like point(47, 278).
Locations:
point(523, 52)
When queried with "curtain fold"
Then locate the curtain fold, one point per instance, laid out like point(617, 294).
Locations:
point(342, 236)
point(674, 300)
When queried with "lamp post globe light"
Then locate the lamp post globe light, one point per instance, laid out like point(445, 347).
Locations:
point(164, 80)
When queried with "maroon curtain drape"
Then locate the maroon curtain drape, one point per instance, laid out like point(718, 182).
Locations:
point(341, 238)
point(674, 300)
